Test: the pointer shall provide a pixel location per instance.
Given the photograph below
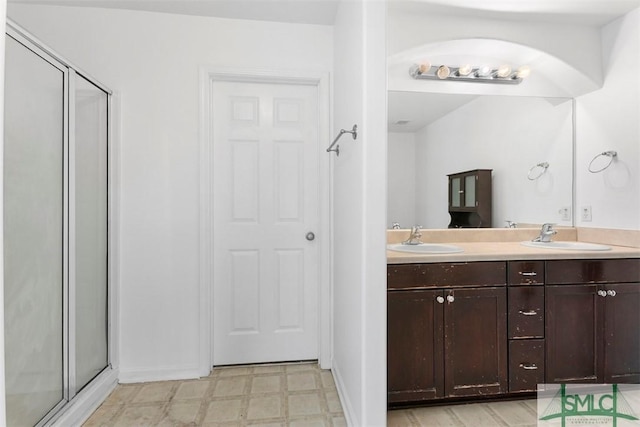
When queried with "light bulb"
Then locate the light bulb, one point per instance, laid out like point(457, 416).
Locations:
point(483, 71)
point(424, 67)
point(503, 71)
point(464, 70)
point(523, 72)
point(443, 72)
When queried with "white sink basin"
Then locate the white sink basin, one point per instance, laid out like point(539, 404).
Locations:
point(574, 246)
point(425, 248)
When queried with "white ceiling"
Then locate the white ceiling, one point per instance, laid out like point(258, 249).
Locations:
point(580, 12)
point(320, 12)
point(323, 12)
point(420, 108)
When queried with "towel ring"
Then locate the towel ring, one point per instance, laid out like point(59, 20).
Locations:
point(543, 168)
point(611, 154)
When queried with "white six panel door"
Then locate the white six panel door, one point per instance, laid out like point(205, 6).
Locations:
point(265, 196)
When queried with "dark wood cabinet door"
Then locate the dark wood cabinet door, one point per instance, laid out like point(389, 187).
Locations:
point(622, 333)
point(573, 333)
point(414, 346)
point(475, 341)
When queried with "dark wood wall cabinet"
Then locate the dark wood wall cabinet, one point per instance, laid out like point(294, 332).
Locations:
point(499, 328)
point(470, 199)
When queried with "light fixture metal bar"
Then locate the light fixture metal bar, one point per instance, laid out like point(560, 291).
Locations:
point(473, 76)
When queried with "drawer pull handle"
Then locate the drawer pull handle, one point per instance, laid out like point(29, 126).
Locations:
point(528, 312)
point(611, 293)
point(528, 273)
point(440, 299)
point(531, 367)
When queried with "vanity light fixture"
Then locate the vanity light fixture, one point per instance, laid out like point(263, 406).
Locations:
point(467, 73)
point(503, 71)
point(523, 71)
point(482, 71)
point(464, 70)
point(443, 72)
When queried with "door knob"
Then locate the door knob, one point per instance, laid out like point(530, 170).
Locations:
point(450, 298)
point(440, 299)
point(310, 236)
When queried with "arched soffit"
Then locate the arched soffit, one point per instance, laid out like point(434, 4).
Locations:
point(550, 75)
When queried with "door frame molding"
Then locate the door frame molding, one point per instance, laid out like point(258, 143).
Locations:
point(207, 75)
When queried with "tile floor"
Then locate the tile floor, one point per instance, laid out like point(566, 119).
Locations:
point(298, 394)
point(513, 413)
point(268, 395)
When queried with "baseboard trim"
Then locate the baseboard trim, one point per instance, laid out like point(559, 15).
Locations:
point(347, 407)
point(88, 400)
point(128, 376)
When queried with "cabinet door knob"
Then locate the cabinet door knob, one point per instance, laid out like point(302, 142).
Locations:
point(528, 312)
point(602, 293)
point(450, 298)
point(528, 367)
point(611, 293)
point(440, 299)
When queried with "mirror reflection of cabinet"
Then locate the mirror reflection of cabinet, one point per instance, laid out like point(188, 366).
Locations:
point(470, 199)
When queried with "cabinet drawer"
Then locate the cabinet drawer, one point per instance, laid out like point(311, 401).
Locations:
point(463, 274)
point(401, 276)
point(526, 364)
point(526, 272)
point(593, 271)
point(526, 312)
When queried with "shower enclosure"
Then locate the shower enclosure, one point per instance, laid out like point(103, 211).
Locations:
point(55, 231)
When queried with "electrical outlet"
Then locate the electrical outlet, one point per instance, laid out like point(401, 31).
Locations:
point(586, 213)
point(565, 213)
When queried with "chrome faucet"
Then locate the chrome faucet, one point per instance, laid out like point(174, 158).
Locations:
point(546, 233)
point(511, 224)
point(414, 236)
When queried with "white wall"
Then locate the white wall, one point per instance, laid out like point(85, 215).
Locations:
point(152, 60)
point(359, 359)
point(608, 119)
point(508, 135)
point(401, 186)
point(3, 11)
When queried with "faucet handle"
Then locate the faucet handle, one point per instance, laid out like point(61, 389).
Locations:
point(395, 226)
point(548, 227)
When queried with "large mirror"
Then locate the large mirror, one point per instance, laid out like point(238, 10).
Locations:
point(527, 142)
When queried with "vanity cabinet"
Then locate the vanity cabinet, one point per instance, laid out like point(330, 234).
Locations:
point(447, 330)
point(460, 330)
point(470, 199)
point(592, 321)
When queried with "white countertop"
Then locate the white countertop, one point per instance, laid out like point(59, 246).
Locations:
point(507, 251)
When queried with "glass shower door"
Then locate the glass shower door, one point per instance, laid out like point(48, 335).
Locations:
point(34, 230)
point(90, 222)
